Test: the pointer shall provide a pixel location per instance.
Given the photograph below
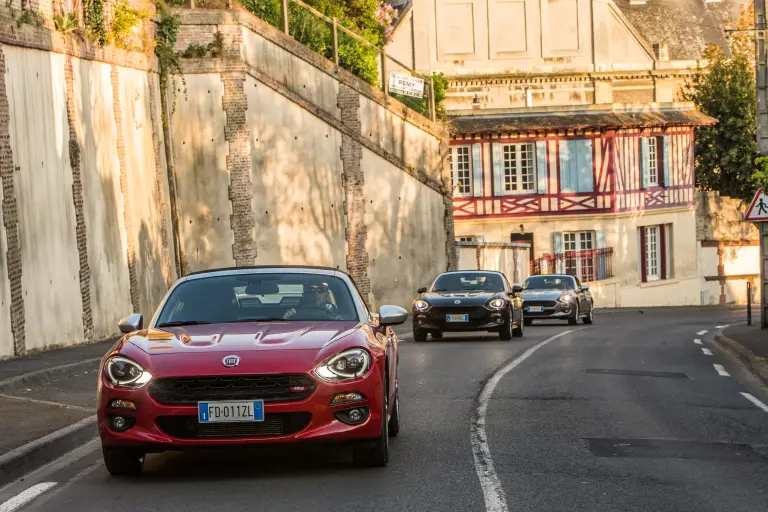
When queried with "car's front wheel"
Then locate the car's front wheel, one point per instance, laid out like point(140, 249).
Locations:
point(437, 335)
point(528, 321)
point(505, 334)
point(378, 454)
point(517, 332)
point(573, 320)
point(120, 461)
point(590, 317)
point(394, 420)
point(419, 335)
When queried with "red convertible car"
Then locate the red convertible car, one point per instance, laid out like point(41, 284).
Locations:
point(252, 355)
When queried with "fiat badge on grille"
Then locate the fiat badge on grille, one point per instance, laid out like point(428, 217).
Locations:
point(231, 361)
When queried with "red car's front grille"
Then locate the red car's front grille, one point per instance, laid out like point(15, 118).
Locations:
point(270, 388)
point(274, 425)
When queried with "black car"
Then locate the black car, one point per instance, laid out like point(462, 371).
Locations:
point(467, 301)
point(557, 297)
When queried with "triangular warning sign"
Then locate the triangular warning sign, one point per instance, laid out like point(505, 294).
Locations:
point(758, 208)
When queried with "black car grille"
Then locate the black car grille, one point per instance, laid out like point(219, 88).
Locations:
point(474, 313)
point(545, 303)
point(274, 425)
point(270, 388)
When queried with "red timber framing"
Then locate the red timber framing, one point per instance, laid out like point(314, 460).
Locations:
point(617, 170)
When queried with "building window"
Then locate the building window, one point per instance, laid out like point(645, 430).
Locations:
point(466, 239)
point(461, 171)
point(655, 252)
point(653, 162)
point(519, 167)
point(582, 264)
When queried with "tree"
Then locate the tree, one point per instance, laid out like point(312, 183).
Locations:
point(725, 89)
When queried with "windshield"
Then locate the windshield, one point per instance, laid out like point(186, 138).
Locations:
point(469, 282)
point(550, 283)
point(259, 297)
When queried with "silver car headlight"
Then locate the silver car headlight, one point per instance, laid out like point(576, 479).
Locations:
point(349, 364)
point(121, 371)
point(496, 303)
point(564, 299)
point(421, 305)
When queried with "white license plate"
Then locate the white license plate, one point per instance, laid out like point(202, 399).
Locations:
point(457, 318)
point(535, 309)
point(223, 412)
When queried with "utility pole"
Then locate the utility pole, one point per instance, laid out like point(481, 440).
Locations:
point(762, 141)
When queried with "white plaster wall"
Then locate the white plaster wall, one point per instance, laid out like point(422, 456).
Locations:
point(467, 258)
point(741, 260)
point(403, 218)
point(298, 196)
point(202, 180)
point(103, 201)
point(40, 143)
point(142, 200)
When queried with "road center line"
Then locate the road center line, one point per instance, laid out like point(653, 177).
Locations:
point(702, 333)
point(755, 401)
point(697, 341)
point(706, 351)
point(495, 500)
point(721, 326)
point(26, 496)
point(721, 370)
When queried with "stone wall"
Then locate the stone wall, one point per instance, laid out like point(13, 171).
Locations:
point(722, 218)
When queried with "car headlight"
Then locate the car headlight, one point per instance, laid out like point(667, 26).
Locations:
point(563, 299)
point(421, 305)
point(348, 364)
point(496, 303)
point(121, 371)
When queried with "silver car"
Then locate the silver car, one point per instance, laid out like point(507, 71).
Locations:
point(557, 297)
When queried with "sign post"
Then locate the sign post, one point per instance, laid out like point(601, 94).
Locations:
point(758, 213)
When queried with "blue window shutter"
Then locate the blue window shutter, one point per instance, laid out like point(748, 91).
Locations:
point(644, 160)
point(585, 173)
point(541, 166)
point(557, 248)
point(600, 244)
point(566, 182)
point(498, 173)
point(665, 159)
point(477, 170)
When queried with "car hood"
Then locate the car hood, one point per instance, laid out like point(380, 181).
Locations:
point(440, 299)
point(241, 337)
point(543, 294)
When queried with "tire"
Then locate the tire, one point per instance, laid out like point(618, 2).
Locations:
point(517, 332)
point(378, 454)
point(122, 462)
point(528, 321)
point(419, 335)
point(394, 419)
point(506, 331)
point(437, 335)
point(590, 318)
point(574, 320)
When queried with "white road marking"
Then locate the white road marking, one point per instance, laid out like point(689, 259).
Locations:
point(25, 497)
point(697, 341)
point(755, 401)
point(702, 333)
point(721, 370)
point(721, 326)
point(495, 500)
point(706, 351)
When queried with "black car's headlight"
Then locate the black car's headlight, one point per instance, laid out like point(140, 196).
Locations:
point(421, 305)
point(121, 371)
point(349, 364)
point(496, 303)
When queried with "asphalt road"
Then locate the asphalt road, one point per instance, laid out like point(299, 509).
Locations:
point(627, 414)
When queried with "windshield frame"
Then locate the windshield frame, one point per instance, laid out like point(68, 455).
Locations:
point(560, 276)
point(504, 281)
point(361, 312)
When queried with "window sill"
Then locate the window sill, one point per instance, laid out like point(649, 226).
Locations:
point(658, 282)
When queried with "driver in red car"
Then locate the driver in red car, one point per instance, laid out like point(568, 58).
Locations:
point(317, 296)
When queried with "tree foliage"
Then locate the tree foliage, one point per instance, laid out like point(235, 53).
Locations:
point(725, 89)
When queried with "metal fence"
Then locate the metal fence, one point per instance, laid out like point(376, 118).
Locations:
point(335, 42)
point(588, 265)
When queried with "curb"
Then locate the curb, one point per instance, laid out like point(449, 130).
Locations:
point(744, 355)
point(31, 456)
point(47, 375)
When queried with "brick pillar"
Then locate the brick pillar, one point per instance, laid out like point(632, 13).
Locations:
point(11, 218)
point(132, 273)
point(154, 111)
point(356, 232)
point(81, 233)
point(237, 135)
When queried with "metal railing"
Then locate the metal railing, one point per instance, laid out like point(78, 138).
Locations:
point(326, 36)
point(588, 265)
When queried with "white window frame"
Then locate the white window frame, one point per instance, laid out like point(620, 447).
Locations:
point(512, 168)
point(653, 162)
point(578, 240)
point(653, 253)
point(458, 154)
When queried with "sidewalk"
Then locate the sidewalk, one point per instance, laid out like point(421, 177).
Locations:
point(48, 402)
point(749, 344)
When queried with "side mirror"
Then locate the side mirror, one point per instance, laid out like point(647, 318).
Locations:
point(392, 315)
point(517, 289)
point(584, 288)
point(131, 323)
point(421, 290)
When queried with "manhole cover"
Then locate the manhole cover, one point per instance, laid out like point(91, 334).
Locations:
point(638, 373)
point(670, 449)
